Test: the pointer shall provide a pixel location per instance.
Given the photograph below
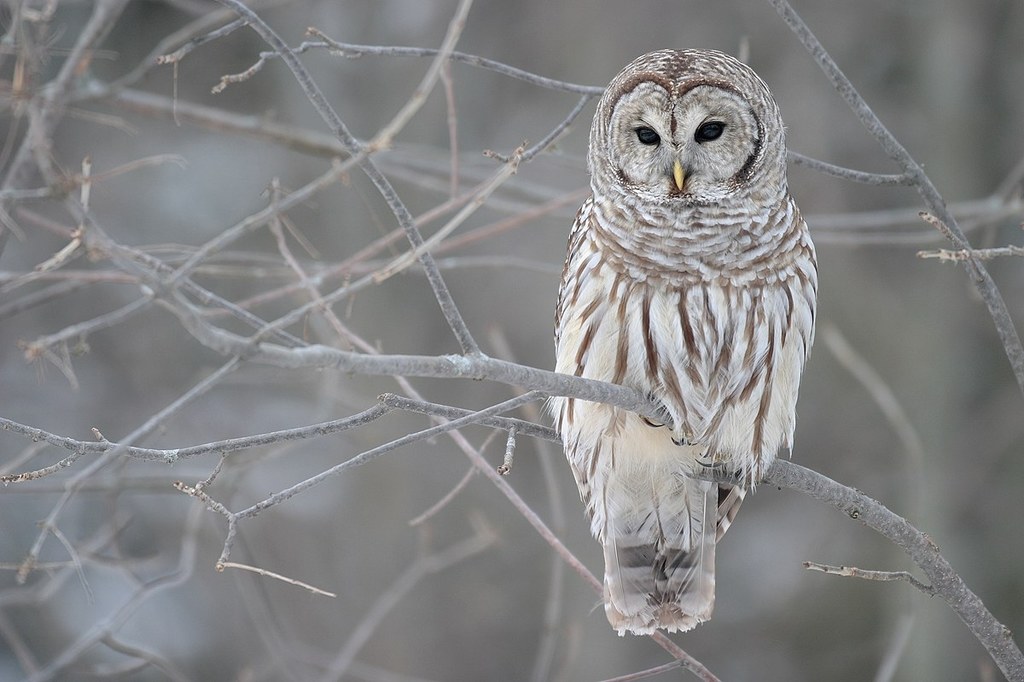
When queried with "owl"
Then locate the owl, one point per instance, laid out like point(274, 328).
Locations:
point(690, 277)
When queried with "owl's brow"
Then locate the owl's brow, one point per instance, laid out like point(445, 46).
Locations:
point(685, 86)
point(674, 88)
point(630, 84)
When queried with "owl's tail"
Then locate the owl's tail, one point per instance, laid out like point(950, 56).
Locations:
point(660, 557)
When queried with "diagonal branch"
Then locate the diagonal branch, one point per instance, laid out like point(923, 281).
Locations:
point(946, 583)
point(366, 164)
point(980, 277)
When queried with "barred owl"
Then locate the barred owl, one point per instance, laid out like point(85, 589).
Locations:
point(690, 277)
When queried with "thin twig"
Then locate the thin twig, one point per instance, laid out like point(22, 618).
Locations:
point(376, 452)
point(33, 349)
point(554, 604)
point(890, 406)
point(480, 196)
point(510, 452)
point(386, 135)
point(105, 627)
point(849, 173)
point(526, 154)
point(432, 511)
point(522, 427)
point(391, 597)
point(354, 50)
point(179, 54)
point(171, 455)
point(645, 674)
point(864, 574)
point(962, 255)
point(277, 576)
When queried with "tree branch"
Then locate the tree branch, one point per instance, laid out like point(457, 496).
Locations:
point(946, 583)
point(980, 277)
point(366, 164)
point(48, 110)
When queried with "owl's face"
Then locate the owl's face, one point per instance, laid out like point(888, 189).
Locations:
point(682, 131)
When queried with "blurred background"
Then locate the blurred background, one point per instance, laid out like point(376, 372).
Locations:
point(908, 396)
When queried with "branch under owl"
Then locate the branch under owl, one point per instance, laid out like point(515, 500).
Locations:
point(922, 550)
point(944, 581)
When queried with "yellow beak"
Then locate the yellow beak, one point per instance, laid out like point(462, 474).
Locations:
point(679, 175)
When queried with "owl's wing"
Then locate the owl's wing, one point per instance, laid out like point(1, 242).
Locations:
point(569, 288)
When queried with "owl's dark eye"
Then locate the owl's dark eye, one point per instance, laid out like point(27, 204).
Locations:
point(647, 135)
point(710, 130)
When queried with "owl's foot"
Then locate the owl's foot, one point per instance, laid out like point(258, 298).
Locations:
point(721, 472)
point(663, 417)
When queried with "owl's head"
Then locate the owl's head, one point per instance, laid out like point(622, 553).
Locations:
point(692, 127)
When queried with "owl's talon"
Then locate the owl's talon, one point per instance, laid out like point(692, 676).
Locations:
point(650, 422)
point(664, 416)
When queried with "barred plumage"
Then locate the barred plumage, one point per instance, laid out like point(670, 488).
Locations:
point(691, 277)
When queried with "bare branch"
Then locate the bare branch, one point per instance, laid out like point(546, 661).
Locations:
point(361, 156)
point(170, 456)
point(386, 135)
point(479, 197)
point(946, 583)
point(34, 349)
point(389, 598)
point(216, 34)
point(882, 576)
point(933, 200)
point(963, 255)
point(376, 452)
point(849, 173)
point(644, 674)
point(446, 500)
point(510, 451)
point(83, 474)
point(354, 50)
point(45, 118)
point(276, 576)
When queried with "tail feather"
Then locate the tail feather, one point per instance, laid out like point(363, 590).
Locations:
point(660, 561)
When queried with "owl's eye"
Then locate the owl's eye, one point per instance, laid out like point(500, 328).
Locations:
point(647, 135)
point(711, 130)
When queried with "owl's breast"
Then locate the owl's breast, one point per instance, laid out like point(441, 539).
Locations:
point(724, 359)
